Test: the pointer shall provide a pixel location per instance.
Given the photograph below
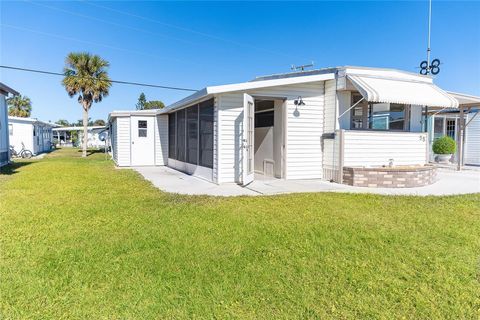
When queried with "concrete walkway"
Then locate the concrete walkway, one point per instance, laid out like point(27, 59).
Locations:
point(450, 182)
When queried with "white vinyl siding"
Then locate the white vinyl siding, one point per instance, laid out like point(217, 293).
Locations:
point(123, 141)
point(4, 135)
point(161, 140)
point(303, 132)
point(114, 140)
point(472, 140)
point(331, 104)
point(229, 135)
point(373, 148)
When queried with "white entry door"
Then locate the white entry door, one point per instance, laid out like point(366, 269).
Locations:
point(248, 139)
point(142, 135)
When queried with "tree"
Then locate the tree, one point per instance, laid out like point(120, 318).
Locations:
point(99, 122)
point(141, 102)
point(19, 106)
point(63, 123)
point(86, 76)
point(144, 104)
point(154, 104)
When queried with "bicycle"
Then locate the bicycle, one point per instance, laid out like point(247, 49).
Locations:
point(23, 153)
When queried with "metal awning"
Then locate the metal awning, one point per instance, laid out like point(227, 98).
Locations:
point(392, 90)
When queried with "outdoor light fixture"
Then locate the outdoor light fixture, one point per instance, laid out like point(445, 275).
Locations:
point(299, 101)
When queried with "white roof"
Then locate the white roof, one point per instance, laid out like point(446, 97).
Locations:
point(377, 84)
point(30, 120)
point(79, 128)
point(465, 99)
point(250, 85)
point(420, 91)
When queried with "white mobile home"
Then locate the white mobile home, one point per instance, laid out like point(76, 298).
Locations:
point(4, 137)
point(304, 125)
point(96, 136)
point(36, 135)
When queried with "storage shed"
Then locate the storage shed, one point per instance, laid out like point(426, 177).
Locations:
point(138, 138)
point(36, 135)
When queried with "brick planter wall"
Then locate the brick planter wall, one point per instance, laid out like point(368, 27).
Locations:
point(407, 177)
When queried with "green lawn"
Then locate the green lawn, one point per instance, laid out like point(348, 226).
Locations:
point(80, 239)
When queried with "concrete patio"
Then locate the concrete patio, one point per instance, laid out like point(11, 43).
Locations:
point(450, 182)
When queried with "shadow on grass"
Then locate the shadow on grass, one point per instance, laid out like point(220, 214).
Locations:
point(93, 151)
point(13, 167)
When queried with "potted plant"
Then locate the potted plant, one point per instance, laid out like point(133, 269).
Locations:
point(443, 148)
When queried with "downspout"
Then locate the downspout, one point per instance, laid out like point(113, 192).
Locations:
point(335, 128)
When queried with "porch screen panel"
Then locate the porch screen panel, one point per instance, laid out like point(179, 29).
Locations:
point(181, 135)
point(171, 136)
point(192, 134)
point(206, 134)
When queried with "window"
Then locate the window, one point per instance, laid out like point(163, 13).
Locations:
point(358, 116)
point(171, 136)
point(181, 135)
point(264, 113)
point(10, 129)
point(142, 128)
point(192, 134)
point(438, 128)
point(206, 134)
point(378, 116)
point(451, 128)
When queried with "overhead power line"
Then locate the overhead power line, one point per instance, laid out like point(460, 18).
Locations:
point(113, 81)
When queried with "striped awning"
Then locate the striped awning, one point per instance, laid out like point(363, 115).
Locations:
point(391, 90)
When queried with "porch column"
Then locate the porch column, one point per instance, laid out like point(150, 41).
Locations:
point(460, 131)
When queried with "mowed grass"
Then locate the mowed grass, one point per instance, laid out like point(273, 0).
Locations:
point(80, 239)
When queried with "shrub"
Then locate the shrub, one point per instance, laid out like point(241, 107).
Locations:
point(444, 145)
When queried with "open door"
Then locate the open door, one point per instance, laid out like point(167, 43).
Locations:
point(248, 139)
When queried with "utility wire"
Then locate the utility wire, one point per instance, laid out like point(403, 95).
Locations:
point(113, 81)
point(90, 42)
point(109, 22)
point(207, 35)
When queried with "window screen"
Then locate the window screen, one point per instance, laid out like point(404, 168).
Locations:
point(181, 135)
point(171, 136)
point(142, 128)
point(192, 134)
point(206, 134)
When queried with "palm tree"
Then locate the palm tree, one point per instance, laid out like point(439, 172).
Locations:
point(86, 76)
point(19, 106)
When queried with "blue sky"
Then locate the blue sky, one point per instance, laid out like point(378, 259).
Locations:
point(195, 44)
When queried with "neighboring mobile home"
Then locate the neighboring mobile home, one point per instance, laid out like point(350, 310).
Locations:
point(36, 135)
point(4, 137)
point(64, 136)
point(303, 125)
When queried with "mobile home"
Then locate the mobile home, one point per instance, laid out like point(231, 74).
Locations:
point(4, 126)
point(35, 135)
point(303, 125)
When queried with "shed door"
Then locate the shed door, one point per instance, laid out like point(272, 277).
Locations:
point(248, 139)
point(143, 141)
